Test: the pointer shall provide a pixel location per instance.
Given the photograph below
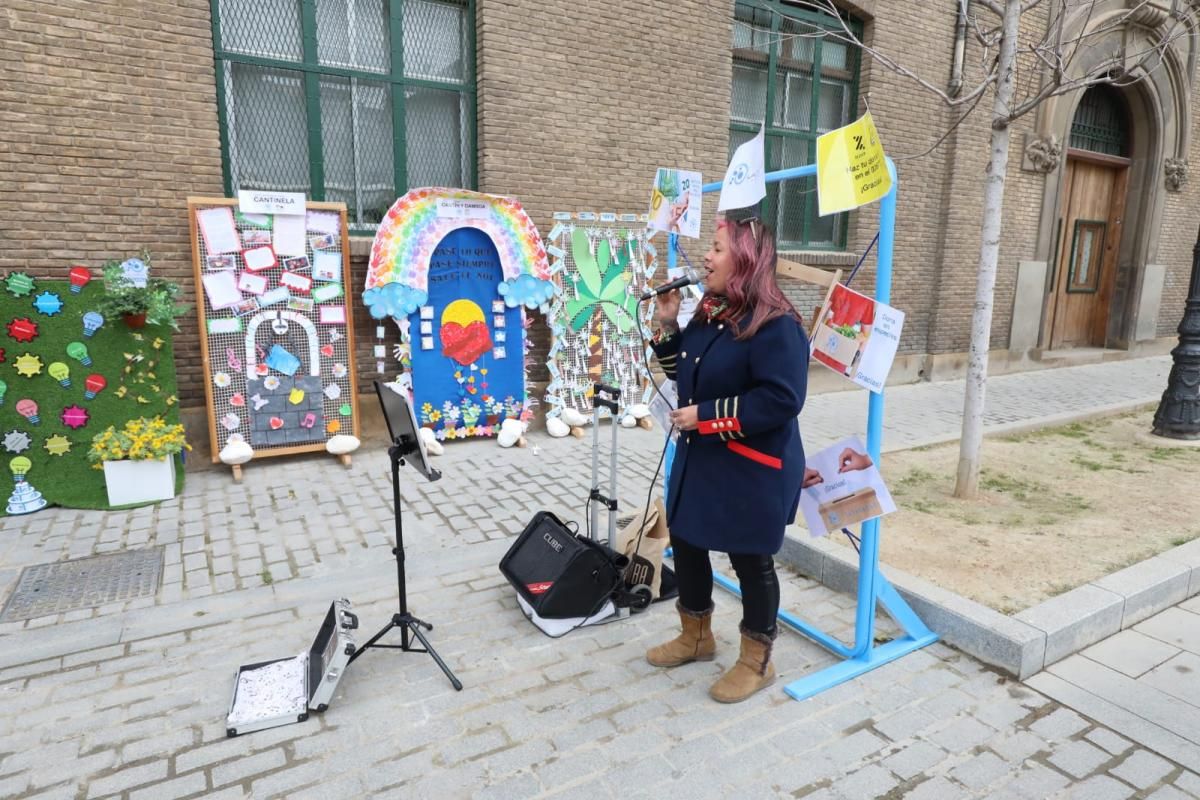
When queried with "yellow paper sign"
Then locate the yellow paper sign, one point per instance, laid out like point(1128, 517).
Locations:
point(851, 170)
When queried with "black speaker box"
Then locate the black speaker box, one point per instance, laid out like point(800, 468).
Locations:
point(559, 573)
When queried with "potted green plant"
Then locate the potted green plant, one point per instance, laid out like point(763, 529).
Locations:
point(129, 293)
point(138, 460)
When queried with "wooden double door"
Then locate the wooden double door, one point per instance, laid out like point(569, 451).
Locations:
point(1089, 241)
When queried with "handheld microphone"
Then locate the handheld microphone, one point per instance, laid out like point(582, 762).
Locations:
point(687, 279)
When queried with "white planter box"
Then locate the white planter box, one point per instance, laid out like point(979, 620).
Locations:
point(139, 481)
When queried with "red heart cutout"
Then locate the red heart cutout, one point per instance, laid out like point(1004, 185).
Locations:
point(261, 369)
point(464, 345)
point(276, 423)
point(237, 399)
point(327, 350)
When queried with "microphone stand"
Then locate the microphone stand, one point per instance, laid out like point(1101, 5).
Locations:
point(405, 621)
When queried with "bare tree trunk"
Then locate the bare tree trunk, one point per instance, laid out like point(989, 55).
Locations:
point(969, 451)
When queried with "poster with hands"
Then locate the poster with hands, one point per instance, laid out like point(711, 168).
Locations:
point(842, 487)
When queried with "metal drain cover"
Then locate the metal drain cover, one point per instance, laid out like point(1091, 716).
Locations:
point(45, 589)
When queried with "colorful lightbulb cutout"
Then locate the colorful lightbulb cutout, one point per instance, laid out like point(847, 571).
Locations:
point(20, 466)
point(29, 410)
point(92, 321)
point(78, 351)
point(61, 373)
point(79, 277)
point(24, 499)
point(92, 386)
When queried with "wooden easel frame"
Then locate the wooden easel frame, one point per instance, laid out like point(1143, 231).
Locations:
point(195, 204)
point(816, 275)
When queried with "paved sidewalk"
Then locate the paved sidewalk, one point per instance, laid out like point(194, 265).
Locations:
point(128, 699)
point(1143, 681)
point(289, 518)
point(133, 707)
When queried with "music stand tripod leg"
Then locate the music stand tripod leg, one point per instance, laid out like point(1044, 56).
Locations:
point(404, 620)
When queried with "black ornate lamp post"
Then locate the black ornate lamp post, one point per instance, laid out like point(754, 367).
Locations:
point(1178, 415)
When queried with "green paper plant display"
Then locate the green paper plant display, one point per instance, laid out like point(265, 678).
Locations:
point(603, 286)
point(155, 303)
point(106, 378)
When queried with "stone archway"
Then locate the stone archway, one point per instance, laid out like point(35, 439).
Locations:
point(1159, 109)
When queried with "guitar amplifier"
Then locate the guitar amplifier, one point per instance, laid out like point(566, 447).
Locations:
point(559, 573)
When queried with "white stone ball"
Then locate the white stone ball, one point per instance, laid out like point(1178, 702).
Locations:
point(236, 453)
point(432, 446)
point(342, 444)
point(573, 418)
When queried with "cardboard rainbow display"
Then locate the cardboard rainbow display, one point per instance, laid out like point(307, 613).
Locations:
point(456, 270)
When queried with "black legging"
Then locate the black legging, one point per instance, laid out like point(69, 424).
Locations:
point(756, 574)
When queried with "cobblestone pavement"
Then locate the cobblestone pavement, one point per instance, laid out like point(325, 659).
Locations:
point(288, 519)
point(133, 706)
point(129, 700)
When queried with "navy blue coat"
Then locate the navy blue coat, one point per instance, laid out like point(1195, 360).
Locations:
point(735, 481)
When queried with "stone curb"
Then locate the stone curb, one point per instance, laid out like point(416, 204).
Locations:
point(1035, 638)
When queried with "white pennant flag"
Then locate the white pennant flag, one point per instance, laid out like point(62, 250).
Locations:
point(745, 182)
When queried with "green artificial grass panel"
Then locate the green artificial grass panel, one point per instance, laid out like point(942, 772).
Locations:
point(69, 480)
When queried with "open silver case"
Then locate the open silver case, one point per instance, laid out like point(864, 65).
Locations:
point(280, 692)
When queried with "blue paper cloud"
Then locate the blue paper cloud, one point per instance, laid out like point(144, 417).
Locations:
point(526, 290)
point(394, 300)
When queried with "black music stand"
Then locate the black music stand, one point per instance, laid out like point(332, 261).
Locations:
point(407, 447)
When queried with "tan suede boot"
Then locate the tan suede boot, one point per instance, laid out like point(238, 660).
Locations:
point(695, 643)
point(752, 672)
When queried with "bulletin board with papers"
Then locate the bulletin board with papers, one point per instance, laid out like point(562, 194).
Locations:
point(276, 332)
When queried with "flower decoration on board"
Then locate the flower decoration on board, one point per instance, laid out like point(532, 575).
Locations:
point(57, 445)
point(48, 303)
point(22, 329)
point(18, 284)
point(75, 417)
point(17, 441)
point(28, 365)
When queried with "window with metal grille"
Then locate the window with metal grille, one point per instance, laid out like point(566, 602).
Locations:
point(351, 101)
point(1100, 122)
point(780, 53)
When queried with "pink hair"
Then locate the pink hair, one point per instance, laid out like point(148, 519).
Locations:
point(752, 288)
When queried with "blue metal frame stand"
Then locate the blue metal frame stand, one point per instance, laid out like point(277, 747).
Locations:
point(873, 588)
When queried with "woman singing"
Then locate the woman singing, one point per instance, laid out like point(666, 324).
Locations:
point(742, 371)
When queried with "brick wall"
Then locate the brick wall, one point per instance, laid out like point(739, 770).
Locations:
point(109, 122)
point(580, 103)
